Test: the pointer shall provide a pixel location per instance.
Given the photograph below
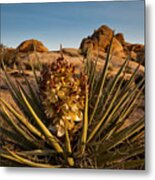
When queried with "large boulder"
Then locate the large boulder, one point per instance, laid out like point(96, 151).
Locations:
point(31, 45)
point(102, 36)
point(100, 40)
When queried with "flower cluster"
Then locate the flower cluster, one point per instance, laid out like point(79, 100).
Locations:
point(63, 95)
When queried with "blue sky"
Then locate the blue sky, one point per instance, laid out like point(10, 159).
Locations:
point(68, 23)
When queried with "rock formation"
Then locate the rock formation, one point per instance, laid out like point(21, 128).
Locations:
point(100, 40)
point(32, 45)
point(135, 51)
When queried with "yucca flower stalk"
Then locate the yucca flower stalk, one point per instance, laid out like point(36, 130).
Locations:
point(63, 96)
point(74, 120)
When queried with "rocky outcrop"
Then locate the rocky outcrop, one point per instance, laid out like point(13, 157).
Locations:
point(31, 45)
point(100, 40)
point(135, 51)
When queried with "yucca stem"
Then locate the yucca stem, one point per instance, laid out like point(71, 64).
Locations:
point(68, 148)
point(85, 124)
point(92, 80)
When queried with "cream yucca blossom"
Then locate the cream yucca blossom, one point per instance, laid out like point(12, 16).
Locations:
point(63, 96)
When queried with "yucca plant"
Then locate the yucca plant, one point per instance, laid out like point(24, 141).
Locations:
point(73, 120)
